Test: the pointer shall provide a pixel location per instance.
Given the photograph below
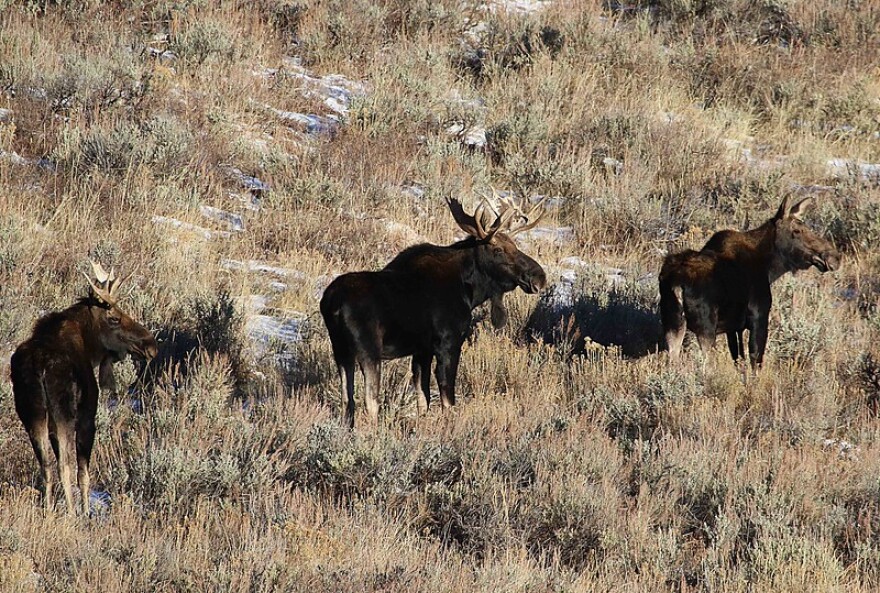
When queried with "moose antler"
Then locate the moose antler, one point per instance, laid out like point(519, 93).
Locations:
point(530, 219)
point(107, 286)
point(476, 224)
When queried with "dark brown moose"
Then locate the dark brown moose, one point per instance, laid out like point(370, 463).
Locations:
point(53, 379)
point(725, 287)
point(421, 303)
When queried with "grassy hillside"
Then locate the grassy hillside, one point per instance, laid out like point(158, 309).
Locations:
point(235, 156)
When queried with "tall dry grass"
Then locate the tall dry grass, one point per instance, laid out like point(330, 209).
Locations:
point(574, 462)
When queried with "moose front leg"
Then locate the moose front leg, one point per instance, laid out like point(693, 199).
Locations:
point(421, 380)
point(446, 371)
point(758, 341)
point(735, 344)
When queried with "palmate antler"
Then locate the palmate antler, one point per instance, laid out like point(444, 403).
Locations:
point(489, 219)
point(107, 286)
point(528, 220)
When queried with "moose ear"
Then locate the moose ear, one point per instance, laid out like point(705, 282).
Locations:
point(797, 211)
point(784, 208)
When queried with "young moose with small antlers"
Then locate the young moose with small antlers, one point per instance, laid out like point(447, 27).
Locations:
point(421, 303)
point(53, 379)
point(725, 287)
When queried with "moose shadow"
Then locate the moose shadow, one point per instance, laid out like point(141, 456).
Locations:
point(617, 318)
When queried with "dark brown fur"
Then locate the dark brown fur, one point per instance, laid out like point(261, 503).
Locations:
point(56, 393)
point(725, 287)
point(420, 305)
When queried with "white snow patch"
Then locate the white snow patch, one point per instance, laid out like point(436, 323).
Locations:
point(263, 268)
point(235, 221)
point(266, 330)
point(313, 124)
point(845, 449)
point(164, 56)
point(562, 235)
point(473, 136)
point(850, 168)
point(5, 116)
point(518, 6)
point(248, 181)
point(188, 226)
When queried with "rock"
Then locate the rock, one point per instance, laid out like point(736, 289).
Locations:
point(5, 116)
point(235, 221)
point(249, 182)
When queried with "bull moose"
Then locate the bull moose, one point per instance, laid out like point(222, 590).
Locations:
point(53, 379)
point(421, 303)
point(725, 287)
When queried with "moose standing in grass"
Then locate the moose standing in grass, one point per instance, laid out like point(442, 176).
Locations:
point(725, 287)
point(421, 303)
point(53, 379)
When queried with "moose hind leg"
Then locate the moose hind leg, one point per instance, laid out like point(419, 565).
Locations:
point(85, 440)
point(372, 369)
point(38, 433)
point(346, 380)
point(66, 451)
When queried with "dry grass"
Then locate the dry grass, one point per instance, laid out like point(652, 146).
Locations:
point(570, 463)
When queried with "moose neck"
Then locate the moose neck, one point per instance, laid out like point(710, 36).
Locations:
point(769, 255)
point(90, 330)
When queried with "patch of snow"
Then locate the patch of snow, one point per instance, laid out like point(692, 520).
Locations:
point(414, 190)
point(248, 182)
point(263, 268)
point(264, 330)
point(473, 136)
point(188, 226)
point(811, 189)
point(550, 203)
point(849, 168)
point(163, 56)
point(254, 303)
point(99, 503)
point(613, 165)
point(517, 6)
point(5, 116)
point(569, 271)
point(318, 125)
point(14, 158)
point(248, 200)
point(235, 221)
point(845, 449)
point(562, 235)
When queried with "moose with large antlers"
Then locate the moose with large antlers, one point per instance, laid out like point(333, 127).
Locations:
point(421, 303)
point(53, 379)
point(725, 287)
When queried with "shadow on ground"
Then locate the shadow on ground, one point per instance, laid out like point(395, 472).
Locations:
point(616, 318)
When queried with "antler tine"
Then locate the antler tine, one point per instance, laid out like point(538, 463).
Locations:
point(530, 222)
point(115, 284)
point(467, 222)
point(100, 292)
point(100, 273)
